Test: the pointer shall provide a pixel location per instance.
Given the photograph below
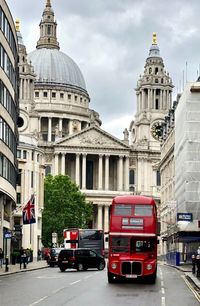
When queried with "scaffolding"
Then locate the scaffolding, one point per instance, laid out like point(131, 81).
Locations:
point(187, 154)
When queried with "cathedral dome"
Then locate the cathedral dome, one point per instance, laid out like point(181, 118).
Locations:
point(55, 67)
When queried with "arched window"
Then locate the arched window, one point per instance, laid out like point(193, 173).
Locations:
point(49, 30)
point(131, 177)
point(156, 70)
point(47, 170)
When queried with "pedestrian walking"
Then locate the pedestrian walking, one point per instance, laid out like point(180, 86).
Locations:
point(39, 254)
point(193, 263)
point(198, 251)
point(198, 265)
point(1, 257)
point(23, 258)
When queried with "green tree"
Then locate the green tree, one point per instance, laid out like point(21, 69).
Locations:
point(64, 207)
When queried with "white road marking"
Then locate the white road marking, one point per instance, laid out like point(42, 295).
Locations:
point(75, 282)
point(56, 291)
point(163, 290)
point(162, 301)
point(49, 277)
point(88, 276)
point(40, 300)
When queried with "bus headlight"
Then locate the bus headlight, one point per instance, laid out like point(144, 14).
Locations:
point(149, 267)
point(113, 265)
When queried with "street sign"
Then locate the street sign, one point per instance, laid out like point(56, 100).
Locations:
point(184, 217)
point(8, 235)
point(54, 237)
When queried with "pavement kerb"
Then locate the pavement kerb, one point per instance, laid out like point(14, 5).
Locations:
point(195, 287)
point(22, 270)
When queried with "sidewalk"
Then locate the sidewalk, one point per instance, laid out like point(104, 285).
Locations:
point(16, 268)
point(191, 278)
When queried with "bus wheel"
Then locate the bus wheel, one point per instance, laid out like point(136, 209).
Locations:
point(111, 278)
point(101, 266)
point(80, 267)
point(152, 278)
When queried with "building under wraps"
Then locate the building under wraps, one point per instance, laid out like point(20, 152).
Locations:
point(187, 167)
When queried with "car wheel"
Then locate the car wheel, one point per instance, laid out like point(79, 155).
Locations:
point(101, 266)
point(62, 269)
point(80, 267)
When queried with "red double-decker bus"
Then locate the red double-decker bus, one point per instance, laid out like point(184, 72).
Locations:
point(132, 238)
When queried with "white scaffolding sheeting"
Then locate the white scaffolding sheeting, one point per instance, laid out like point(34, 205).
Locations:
point(187, 152)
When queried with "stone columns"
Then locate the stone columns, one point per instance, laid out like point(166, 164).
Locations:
point(70, 127)
point(149, 99)
point(49, 128)
point(154, 98)
point(56, 164)
point(106, 218)
point(63, 164)
point(100, 172)
point(78, 169)
point(60, 125)
point(84, 171)
point(99, 225)
point(143, 100)
point(164, 99)
point(107, 172)
point(138, 105)
point(120, 173)
point(39, 125)
point(161, 99)
point(126, 177)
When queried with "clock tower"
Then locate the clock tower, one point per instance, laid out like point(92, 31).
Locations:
point(154, 98)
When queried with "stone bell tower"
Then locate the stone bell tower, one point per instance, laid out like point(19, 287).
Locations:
point(48, 27)
point(154, 98)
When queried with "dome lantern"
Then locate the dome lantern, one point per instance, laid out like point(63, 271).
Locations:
point(48, 26)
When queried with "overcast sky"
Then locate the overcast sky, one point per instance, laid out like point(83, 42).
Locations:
point(110, 41)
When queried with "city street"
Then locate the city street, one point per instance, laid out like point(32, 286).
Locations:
point(51, 287)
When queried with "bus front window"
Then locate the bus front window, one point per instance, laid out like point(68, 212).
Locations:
point(144, 245)
point(120, 244)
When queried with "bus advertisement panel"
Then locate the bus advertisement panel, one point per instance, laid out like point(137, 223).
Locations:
point(132, 238)
point(84, 238)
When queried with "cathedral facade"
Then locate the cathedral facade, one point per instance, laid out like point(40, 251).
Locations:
point(55, 112)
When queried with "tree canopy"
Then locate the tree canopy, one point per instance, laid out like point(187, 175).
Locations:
point(64, 207)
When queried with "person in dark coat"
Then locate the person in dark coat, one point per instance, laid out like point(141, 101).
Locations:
point(193, 263)
point(1, 257)
point(23, 258)
point(198, 265)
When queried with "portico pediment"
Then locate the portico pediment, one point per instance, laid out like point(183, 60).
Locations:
point(92, 137)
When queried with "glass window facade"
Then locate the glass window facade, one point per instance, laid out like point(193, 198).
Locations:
point(7, 170)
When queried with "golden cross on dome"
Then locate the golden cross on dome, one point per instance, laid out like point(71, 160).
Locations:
point(154, 39)
point(48, 3)
point(17, 25)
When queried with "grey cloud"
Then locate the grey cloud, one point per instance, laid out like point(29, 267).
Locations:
point(110, 40)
